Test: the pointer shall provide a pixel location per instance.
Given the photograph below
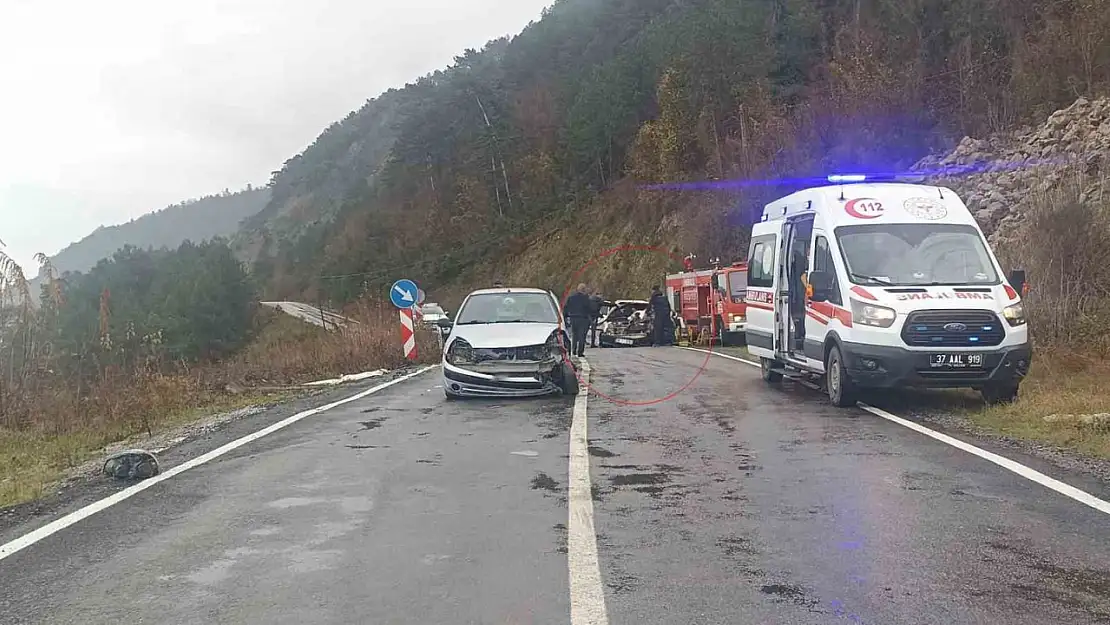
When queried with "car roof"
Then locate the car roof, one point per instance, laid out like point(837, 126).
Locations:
point(505, 290)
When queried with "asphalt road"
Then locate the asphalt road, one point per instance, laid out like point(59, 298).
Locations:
point(729, 503)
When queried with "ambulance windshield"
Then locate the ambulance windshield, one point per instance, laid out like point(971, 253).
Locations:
point(916, 255)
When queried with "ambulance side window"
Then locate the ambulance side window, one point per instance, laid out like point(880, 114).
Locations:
point(823, 261)
point(761, 262)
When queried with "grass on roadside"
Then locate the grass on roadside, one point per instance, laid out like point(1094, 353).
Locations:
point(31, 461)
point(1059, 384)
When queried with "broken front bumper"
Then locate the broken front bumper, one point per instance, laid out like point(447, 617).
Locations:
point(501, 380)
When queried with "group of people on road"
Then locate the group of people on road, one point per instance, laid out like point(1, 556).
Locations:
point(583, 310)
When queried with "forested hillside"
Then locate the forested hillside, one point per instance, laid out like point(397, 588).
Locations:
point(193, 220)
point(542, 138)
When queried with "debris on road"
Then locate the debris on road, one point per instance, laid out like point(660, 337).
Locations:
point(1097, 420)
point(131, 464)
point(349, 377)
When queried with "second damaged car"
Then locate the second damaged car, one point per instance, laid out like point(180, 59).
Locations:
point(508, 342)
point(625, 325)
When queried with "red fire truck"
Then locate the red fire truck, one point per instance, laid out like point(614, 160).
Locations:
point(710, 302)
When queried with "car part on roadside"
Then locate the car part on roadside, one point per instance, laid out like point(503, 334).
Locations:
point(132, 464)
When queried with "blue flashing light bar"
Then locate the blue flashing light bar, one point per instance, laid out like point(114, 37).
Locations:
point(835, 178)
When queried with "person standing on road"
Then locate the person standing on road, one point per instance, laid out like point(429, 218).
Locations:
point(660, 314)
point(578, 311)
point(596, 300)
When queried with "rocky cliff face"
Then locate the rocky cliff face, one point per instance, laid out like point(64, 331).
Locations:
point(1000, 177)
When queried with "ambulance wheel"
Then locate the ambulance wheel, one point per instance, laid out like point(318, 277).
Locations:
point(767, 371)
point(999, 393)
point(842, 393)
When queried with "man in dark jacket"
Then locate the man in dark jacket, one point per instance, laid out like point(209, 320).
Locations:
point(660, 316)
point(579, 311)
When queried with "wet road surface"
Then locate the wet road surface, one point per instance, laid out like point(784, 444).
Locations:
point(730, 503)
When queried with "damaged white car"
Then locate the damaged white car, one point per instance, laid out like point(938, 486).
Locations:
point(508, 342)
point(625, 324)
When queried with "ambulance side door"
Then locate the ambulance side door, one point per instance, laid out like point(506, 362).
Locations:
point(760, 293)
point(821, 317)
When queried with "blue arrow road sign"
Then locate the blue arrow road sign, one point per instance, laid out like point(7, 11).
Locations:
point(403, 294)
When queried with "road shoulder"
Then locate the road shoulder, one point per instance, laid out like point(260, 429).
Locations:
point(185, 443)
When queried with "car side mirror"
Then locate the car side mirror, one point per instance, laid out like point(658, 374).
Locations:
point(444, 324)
point(1017, 280)
point(821, 283)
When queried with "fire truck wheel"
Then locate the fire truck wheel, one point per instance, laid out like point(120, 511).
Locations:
point(766, 369)
point(842, 393)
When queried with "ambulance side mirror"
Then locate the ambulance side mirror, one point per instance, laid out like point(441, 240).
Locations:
point(1017, 280)
point(822, 284)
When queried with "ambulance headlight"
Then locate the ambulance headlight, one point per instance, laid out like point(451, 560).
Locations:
point(1014, 314)
point(872, 315)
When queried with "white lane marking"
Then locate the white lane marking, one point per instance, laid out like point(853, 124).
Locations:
point(1010, 465)
point(76, 516)
point(705, 351)
point(587, 595)
point(1013, 466)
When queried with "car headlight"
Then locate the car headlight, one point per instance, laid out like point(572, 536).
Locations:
point(1014, 314)
point(460, 353)
point(872, 315)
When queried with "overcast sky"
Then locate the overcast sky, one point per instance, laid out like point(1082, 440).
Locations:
point(115, 108)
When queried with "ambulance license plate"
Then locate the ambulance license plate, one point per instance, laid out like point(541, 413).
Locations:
point(624, 341)
point(956, 361)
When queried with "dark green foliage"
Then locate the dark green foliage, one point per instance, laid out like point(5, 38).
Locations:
point(189, 304)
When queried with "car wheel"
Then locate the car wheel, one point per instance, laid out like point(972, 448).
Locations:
point(568, 380)
point(767, 371)
point(842, 392)
point(999, 393)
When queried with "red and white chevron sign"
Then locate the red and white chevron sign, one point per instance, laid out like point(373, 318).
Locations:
point(408, 334)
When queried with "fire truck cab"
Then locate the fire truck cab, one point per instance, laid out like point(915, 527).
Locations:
point(710, 302)
point(870, 285)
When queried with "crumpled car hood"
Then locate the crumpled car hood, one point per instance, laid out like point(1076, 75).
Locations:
point(504, 334)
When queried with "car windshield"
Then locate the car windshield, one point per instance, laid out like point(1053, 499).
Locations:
point(508, 308)
point(915, 255)
point(433, 310)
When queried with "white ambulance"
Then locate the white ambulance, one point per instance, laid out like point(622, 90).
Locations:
point(883, 284)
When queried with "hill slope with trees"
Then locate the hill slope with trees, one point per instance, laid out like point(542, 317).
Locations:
point(196, 220)
point(542, 138)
